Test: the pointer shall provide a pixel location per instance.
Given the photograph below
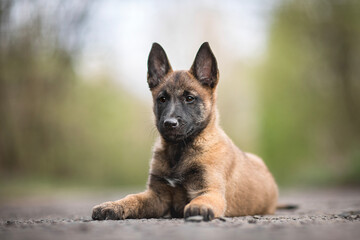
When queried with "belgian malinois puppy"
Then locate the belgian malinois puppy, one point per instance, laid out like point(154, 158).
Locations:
point(196, 169)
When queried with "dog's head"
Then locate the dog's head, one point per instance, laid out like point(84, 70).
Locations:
point(183, 100)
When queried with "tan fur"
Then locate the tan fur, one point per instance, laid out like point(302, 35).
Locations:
point(230, 182)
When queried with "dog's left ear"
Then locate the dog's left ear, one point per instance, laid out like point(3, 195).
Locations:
point(158, 65)
point(205, 68)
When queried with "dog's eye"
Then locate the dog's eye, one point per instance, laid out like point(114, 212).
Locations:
point(189, 99)
point(162, 99)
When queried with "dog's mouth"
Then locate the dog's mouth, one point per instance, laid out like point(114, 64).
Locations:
point(173, 136)
point(177, 135)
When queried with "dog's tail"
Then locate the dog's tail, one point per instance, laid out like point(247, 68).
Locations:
point(287, 207)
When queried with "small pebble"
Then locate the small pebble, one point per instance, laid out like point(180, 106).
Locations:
point(194, 219)
point(252, 221)
point(8, 222)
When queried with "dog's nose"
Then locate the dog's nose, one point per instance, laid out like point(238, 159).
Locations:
point(171, 123)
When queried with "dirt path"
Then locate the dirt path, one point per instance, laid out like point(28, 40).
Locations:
point(323, 214)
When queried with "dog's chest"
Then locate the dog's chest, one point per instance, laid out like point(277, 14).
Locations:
point(182, 192)
point(173, 182)
point(189, 180)
point(180, 168)
point(175, 178)
point(185, 175)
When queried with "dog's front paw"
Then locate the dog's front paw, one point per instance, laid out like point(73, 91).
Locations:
point(199, 210)
point(108, 211)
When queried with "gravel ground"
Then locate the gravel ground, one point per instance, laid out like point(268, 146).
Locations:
point(322, 214)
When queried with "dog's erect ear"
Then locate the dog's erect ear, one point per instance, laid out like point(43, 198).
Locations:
point(205, 67)
point(158, 65)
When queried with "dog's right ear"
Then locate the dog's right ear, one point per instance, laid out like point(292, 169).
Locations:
point(158, 65)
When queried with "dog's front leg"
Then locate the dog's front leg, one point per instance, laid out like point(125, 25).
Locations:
point(210, 205)
point(142, 205)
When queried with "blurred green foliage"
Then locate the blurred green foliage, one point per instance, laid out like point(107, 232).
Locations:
point(310, 93)
point(57, 127)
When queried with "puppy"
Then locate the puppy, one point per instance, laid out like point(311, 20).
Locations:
point(196, 169)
